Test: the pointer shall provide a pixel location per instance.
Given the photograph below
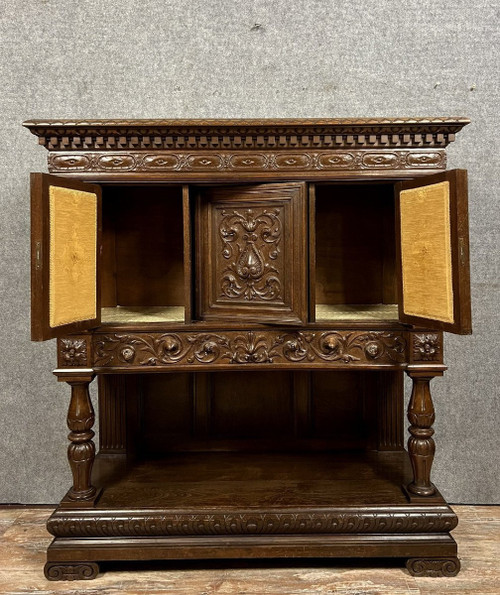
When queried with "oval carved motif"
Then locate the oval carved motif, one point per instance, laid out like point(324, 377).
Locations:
point(204, 162)
point(159, 162)
point(425, 159)
point(336, 160)
point(380, 160)
point(73, 162)
point(248, 161)
point(293, 161)
point(119, 162)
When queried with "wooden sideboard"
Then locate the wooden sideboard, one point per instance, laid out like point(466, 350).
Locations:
point(249, 295)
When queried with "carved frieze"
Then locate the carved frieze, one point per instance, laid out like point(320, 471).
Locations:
point(323, 347)
point(247, 161)
point(250, 522)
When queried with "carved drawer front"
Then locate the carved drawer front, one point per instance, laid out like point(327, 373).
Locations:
point(250, 252)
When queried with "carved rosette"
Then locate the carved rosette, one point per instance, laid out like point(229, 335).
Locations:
point(252, 347)
point(250, 243)
point(250, 522)
point(73, 352)
point(427, 347)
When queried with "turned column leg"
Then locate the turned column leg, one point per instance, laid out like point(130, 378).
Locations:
point(421, 445)
point(81, 451)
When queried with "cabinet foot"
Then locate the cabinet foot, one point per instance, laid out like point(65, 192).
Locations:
point(75, 571)
point(433, 566)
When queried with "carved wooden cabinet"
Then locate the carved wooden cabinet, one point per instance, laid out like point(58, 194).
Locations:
point(249, 295)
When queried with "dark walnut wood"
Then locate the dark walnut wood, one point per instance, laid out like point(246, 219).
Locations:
point(81, 451)
point(201, 149)
point(250, 338)
point(60, 571)
point(421, 446)
point(293, 348)
point(433, 566)
point(250, 254)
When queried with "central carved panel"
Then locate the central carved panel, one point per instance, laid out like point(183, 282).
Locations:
point(250, 257)
point(251, 245)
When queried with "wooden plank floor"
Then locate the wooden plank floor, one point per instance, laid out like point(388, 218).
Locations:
point(23, 540)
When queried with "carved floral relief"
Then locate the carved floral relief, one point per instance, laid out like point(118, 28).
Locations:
point(426, 347)
point(72, 352)
point(249, 347)
point(250, 247)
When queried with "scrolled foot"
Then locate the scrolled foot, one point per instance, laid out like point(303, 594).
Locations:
point(433, 566)
point(77, 571)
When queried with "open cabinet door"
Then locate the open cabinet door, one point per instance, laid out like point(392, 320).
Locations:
point(65, 245)
point(433, 252)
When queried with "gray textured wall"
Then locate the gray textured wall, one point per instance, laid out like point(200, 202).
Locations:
point(310, 58)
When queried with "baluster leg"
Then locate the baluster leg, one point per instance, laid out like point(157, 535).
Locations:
point(81, 451)
point(421, 445)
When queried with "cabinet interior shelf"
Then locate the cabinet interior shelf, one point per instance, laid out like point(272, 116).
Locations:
point(324, 312)
point(128, 314)
point(230, 481)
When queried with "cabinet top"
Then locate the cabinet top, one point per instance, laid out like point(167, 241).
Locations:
point(62, 134)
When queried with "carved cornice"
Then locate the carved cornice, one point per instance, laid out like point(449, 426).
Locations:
point(103, 135)
point(249, 348)
point(150, 523)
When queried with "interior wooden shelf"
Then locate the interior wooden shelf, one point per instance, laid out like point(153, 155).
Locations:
point(128, 314)
point(356, 312)
point(192, 481)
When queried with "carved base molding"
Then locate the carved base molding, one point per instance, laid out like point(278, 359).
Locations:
point(75, 571)
point(250, 348)
point(433, 567)
point(440, 519)
point(432, 553)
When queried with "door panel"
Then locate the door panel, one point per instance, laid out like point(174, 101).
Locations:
point(433, 252)
point(66, 236)
point(251, 253)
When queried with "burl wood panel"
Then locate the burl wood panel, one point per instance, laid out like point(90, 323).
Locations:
point(250, 254)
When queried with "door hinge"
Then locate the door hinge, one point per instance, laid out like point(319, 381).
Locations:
point(461, 245)
point(38, 255)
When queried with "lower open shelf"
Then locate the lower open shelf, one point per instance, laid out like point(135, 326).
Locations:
point(230, 481)
point(244, 505)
